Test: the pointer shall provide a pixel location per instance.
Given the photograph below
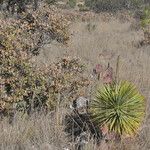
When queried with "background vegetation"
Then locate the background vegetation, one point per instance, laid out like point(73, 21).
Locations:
point(42, 75)
point(113, 5)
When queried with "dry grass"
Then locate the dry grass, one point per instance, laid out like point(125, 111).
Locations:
point(45, 132)
point(110, 38)
point(38, 132)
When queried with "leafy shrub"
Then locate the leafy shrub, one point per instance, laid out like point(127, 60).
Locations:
point(112, 5)
point(68, 79)
point(119, 107)
point(25, 87)
point(33, 31)
point(21, 83)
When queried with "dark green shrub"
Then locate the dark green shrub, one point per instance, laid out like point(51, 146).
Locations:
point(19, 6)
point(113, 5)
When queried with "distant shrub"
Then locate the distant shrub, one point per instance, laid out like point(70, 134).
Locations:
point(145, 19)
point(50, 2)
point(19, 6)
point(83, 7)
point(72, 3)
point(112, 5)
point(145, 24)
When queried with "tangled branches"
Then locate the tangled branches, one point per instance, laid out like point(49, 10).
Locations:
point(33, 30)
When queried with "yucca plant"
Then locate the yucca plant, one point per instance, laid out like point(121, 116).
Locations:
point(120, 107)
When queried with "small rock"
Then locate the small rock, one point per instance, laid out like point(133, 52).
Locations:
point(82, 102)
point(80, 105)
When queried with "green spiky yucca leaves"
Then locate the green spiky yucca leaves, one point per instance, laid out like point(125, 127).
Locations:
point(120, 107)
